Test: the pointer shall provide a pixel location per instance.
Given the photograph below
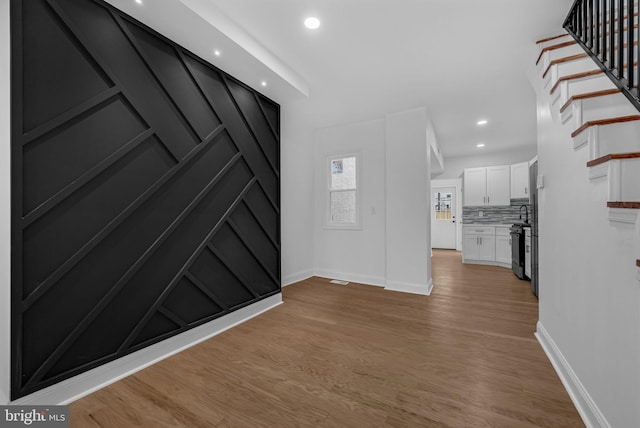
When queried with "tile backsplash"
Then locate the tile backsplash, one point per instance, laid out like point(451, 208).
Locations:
point(497, 215)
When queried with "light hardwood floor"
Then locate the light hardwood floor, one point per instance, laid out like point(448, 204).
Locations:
point(358, 356)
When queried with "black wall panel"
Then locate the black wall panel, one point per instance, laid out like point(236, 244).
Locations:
point(145, 190)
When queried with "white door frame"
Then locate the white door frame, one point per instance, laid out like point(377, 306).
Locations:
point(457, 183)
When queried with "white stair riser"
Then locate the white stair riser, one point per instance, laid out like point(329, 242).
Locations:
point(563, 39)
point(623, 176)
point(569, 88)
point(589, 109)
point(630, 179)
point(604, 107)
point(566, 51)
point(568, 68)
point(605, 139)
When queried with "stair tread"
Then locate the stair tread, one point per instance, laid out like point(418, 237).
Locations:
point(612, 156)
point(624, 204)
point(589, 95)
point(583, 74)
point(609, 121)
point(554, 47)
point(563, 60)
point(575, 76)
point(548, 39)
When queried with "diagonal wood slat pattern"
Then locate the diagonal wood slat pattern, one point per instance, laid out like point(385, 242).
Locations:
point(131, 158)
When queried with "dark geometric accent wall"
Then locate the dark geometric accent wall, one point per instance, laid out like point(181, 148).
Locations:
point(145, 190)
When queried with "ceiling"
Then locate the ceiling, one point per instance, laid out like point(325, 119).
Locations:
point(464, 60)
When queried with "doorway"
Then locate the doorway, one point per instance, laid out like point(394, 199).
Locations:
point(443, 217)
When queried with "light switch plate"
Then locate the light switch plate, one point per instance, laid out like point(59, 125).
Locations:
point(540, 181)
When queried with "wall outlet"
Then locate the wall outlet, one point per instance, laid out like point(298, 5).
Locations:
point(480, 213)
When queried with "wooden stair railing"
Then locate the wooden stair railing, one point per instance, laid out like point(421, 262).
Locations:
point(598, 27)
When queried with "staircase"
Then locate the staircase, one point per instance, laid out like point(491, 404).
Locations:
point(597, 111)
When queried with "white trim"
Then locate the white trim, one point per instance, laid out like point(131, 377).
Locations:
point(376, 281)
point(623, 215)
point(566, 114)
point(84, 384)
point(598, 171)
point(587, 408)
point(615, 180)
point(584, 137)
point(406, 287)
point(297, 277)
point(486, 263)
point(5, 205)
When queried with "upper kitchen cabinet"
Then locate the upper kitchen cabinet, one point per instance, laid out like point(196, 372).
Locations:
point(520, 180)
point(487, 186)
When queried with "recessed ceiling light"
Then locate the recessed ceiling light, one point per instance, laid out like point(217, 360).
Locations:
point(216, 52)
point(482, 122)
point(263, 83)
point(480, 145)
point(139, 1)
point(312, 22)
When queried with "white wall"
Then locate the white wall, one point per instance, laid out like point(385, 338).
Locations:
point(589, 294)
point(393, 248)
point(408, 187)
point(353, 255)
point(5, 205)
point(454, 166)
point(297, 201)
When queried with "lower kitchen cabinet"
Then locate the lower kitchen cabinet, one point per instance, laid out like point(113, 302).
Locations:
point(503, 245)
point(490, 245)
point(479, 243)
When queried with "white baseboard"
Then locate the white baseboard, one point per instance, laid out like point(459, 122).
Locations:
point(406, 287)
point(296, 277)
point(84, 384)
point(351, 277)
point(587, 408)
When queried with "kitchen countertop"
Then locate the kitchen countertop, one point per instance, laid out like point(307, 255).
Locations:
point(495, 224)
point(488, 224)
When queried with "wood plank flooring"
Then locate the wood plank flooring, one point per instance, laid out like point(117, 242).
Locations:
point(358, 356)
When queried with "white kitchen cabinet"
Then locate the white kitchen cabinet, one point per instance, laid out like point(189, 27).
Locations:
point(520, 180)
point(527, 252)
point(487, 186)
point(471, 247)
point(475, 186)
point(479, 243)
point(503, 245)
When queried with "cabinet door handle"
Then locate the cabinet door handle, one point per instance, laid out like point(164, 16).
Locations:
point(481, 240)
point(525, 190)
point(488, 199)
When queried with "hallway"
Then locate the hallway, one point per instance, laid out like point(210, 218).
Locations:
point(354, 356)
